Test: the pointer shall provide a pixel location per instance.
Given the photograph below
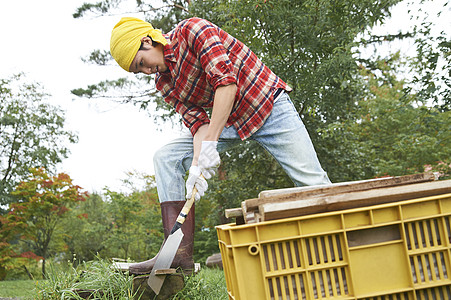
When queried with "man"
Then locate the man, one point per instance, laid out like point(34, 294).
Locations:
point(197, 66)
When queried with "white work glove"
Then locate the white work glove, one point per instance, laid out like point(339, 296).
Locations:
point(194, 179)
point(209, 158)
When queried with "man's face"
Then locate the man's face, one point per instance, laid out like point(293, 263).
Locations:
point(149, 60)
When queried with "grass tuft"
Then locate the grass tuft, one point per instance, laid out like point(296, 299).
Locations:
point(98, 276)
point(107, 283)
point(206, 285)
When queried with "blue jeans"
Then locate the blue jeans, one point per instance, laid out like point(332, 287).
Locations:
point(283, 135)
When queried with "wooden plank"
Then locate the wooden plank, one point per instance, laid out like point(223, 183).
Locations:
point(236, 213)
point(336, 188)
point(122, 266)
point(325, 203)
point(406, 179)
point(249, 217)
point(165, 271)
point(233, 212)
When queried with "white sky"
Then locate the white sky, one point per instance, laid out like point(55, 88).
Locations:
point(42, 39)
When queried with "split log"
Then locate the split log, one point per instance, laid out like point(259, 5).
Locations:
point(88, 294)
point(173, 283)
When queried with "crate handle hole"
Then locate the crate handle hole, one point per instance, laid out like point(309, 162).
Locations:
point(253, 249)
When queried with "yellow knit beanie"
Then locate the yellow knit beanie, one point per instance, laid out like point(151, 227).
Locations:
point(126, 39)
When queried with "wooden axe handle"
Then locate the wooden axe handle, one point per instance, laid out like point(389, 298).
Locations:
point(185, 210)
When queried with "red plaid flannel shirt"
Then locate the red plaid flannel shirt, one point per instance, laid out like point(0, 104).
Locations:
point(200, 57)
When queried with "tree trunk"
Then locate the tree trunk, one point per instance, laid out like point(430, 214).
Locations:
point(43, 267)
point(28, 272)
point(2, 273)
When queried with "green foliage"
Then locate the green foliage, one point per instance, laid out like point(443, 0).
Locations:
point(207, 284)
point(315, 47)
point(130, 225)
point(395, 131)
point(27, 266)
point(98, 57)
point(115, 224)
point(42, 202)
point(62, 281)
point(86, 228)
point(432, 68)
point(11, 226)
point(32, 133)
point(99, 7)
point(164, 14)
point(310, 46)
point(136, 225)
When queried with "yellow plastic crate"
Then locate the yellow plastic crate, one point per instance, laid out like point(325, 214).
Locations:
point(393, 251)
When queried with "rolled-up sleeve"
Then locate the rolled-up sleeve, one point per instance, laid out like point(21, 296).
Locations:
point(193, 116)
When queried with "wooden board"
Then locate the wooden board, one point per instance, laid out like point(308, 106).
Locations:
point(252, 213)
point(235, 213)
point(165, 271)
point(336, 188)
point(250, 209)
point(347, 186)
point(325, 203)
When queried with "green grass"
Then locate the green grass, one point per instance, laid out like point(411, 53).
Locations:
point(96, 275)
point(99, 275)
point(24, 289)
point(206, 285)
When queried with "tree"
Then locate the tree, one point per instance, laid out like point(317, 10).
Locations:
point(32, 133)
point(42, 203)
point(124, 212)
point(11, 227)
point(86, 228)
point(396, 132)
point(431, 63)
point(136, 230)
point(115, 224)
point(164, 14)
point(312, 46)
